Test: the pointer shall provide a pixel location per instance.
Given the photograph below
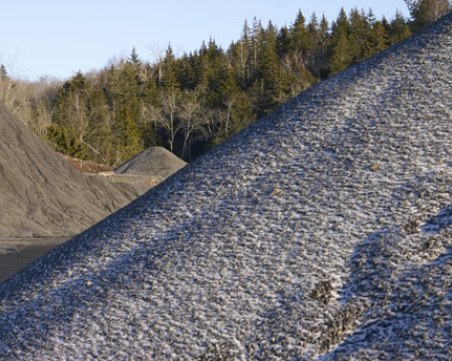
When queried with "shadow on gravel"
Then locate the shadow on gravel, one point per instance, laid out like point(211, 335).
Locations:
point(402, 283)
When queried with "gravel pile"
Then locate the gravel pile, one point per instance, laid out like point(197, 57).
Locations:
point(42, 195)
point(154, 162)
point(322, 232)
point(147, 169)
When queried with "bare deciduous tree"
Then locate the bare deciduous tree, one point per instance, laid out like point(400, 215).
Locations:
point(192, 119)
point(166, 116)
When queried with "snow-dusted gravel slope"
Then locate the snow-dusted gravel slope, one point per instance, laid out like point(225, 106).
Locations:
point(322, 232)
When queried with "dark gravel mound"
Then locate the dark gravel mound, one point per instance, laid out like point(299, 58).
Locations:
point(154, 162)
point(322, 232)
point(42, 195)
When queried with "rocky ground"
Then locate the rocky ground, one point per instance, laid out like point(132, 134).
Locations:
point(322, 232)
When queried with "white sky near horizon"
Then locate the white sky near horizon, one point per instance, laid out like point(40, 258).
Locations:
point(56, 38)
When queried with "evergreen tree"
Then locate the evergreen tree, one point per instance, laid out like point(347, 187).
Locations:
point(283, 42)
point(125, 107)
point(359, 36)
point(99, 137)
point(169, 77)
point(267, 85)
point(244, 53)
point(301, 42)
point(398, 29)
point(341, 52)
point(378, 38)
point(186, 71)
point(255, 45)
point(149, 97)
point(6, 86)
point(71, 118)
point(230, 92)
point(322, 49)
point(3, 72)
point(134, 59)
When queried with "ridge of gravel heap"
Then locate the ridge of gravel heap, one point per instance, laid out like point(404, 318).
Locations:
point(42, 195)
point(322, 232)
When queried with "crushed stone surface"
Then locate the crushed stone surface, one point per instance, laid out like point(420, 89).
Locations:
point(322, 232)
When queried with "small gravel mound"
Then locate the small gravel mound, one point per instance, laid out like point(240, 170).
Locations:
point(154, 162)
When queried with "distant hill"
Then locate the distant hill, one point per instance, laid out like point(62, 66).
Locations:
point(42, 195)
point(322, 232)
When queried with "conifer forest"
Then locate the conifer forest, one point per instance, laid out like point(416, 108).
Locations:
point(191, 102)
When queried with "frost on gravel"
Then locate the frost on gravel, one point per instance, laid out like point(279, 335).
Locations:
point(321, 232)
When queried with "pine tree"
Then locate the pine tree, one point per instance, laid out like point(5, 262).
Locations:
point(3, 72)
point(125, 106)
point(313, 52)
point(71, 118)
point(134, 58)
point(283, 42)
point(186, 72)
point(341, 52)
point(324, 43)
point(378, 38)
point(357, 35)
point(268, 86)
point(398, 29)
point(99, 135)
point(214, 66)
point(5, 85)
point(244, 53)
point(256, 42)
point(149, 95)
point(300, 39)
point(169, 78)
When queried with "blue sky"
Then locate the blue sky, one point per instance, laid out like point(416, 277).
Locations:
point(59, 37)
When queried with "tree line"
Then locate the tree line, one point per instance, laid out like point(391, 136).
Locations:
point(192, 102)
